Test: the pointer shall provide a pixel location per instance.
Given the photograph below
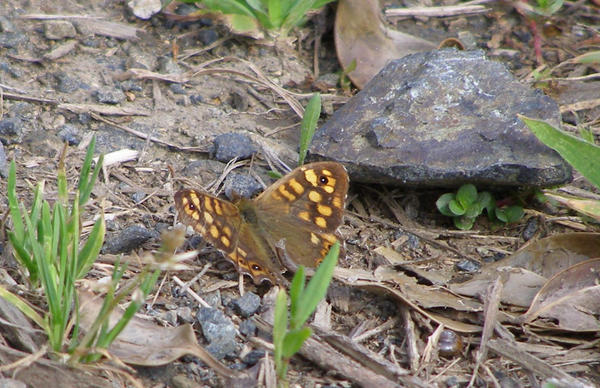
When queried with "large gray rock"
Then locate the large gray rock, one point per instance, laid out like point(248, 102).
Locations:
point(443, 118)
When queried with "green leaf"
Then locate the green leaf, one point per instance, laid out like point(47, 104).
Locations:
point(463, 223)
point(510, 213)
point(23, 306)
point(280, 325)
point(316, 288)
point(442, 204)
point(583, 156)
point(229, 7)
point(91, 249)
point(591, 57)
point(294, 340)
point(456, 208)
point(466, 195)
point(275, 13)
point(296, 289)
point(309, 125)
point(473, 210)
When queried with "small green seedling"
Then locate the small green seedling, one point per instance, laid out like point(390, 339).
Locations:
point(289, 330)
point(467, 204)
point(309, 125)
point(251, 17)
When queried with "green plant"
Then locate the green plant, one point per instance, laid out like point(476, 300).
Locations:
point(582, 154)
point(309, 125)
point(46, 242)
point(289, 331)
point(248, 17)
point(467, 204)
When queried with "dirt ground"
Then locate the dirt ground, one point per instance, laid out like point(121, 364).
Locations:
point(172, 125)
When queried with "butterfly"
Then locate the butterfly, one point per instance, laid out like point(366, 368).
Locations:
point(299, 214)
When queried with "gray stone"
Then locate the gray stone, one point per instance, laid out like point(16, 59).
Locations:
point(246, 305)
point(109, 95)
point(443, 118)
point(59, 29)
point(3, 162)
point(241, 185)
point(218, 330)
point(253, 357)
point(128, 239)
point(233, 145)
point(11, 40)
point(69, 133)
point(66, 84)
point(248, 328)
point(10, 128)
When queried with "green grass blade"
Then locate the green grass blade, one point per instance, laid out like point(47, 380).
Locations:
point(90, 250)
point(229, 7)
point(296, 289)
point(583, 156)
point(275, 13)
point(309, 125)
point(280, 324)
point(23, 306)
point(316, 288)
point(293, 341)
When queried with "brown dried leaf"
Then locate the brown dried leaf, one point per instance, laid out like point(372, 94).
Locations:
point(144, 343)
point(361, 35)
point(571, 299)
point(367, 281)
point(530, 267)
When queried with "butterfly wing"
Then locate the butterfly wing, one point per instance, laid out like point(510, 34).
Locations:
point(304, 208)
point(220, 223)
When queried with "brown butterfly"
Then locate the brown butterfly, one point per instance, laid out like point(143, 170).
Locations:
point(299, 213)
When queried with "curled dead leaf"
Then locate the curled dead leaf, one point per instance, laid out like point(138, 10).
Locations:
point(144, 343)
point(361, 34)
point(529, 268)
point(570, 300)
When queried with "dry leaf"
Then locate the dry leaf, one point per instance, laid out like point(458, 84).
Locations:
point(362, 35)
point(144, 343)
point(530, 267)
point(570, 299)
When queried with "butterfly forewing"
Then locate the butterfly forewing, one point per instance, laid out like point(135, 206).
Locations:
point(309, 203)
point(221, 224)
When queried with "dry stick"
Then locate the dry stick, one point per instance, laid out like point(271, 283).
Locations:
point(411, 339)
point(394, 225)
point(442, 11)
point(327, 357)
point(145, 136)
point(191, 292)
point(512, 351)
point(492, 303)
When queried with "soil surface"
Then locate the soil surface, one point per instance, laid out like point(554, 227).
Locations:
point(222, 83)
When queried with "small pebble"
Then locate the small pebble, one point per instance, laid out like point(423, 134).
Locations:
point(238, 185)
point(59, 29)
point(233, 145)
point(109, 95)
point(246, 305)
point(468, 266)
point(128, 239)
point(253, 357)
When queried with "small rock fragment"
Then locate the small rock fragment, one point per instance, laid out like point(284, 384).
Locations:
point(241, 185)
point(129, 239)
point(246, 305)
point(59, 29)
point(233, 145)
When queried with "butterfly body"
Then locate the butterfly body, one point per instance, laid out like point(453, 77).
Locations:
point(300, 212)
